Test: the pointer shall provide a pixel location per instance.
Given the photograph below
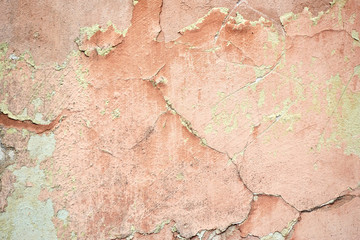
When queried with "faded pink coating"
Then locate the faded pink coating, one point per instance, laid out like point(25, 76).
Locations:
point(230, 129)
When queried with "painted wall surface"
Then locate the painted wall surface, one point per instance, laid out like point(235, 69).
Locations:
point(162, 119)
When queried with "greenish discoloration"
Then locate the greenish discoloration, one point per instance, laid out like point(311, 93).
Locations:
point(334, 84)
point(118, 31)
point(11, 131)
point(261, 20)
point(161, 80)
point(7, 66)
point(25, 216)
point(81, 75)
point(287, 17)
point(261, 71)
point(352, 18)
point(282, 114)
point(273, 37)
point(224, 117)
point(23, 116)
point(340, 4)
point(160, 226)
point(239, 19)
point(261, 98)
point(214, 49)
point(355, 35)
point(41, 146)
point(88, 32)
point(356, 43)
point(316, 19)
point(103, 51)
point(194, 26)
point(115, 114)
point(180, 176)
point(349, 119)
point(344, 107)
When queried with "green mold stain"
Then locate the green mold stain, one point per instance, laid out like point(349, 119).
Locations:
point(26, 217)
point(41, 147)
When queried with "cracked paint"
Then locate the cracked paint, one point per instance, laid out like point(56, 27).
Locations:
point(156, 119)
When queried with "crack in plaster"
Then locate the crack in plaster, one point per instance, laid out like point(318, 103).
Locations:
point(29, 125)
point(157, 36)
point(187, 124)
point(225, 19)
point(322, 31)
point(286, 231)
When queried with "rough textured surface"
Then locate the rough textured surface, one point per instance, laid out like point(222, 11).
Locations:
point(168, 119)
point(339, 221)
point(268, 214)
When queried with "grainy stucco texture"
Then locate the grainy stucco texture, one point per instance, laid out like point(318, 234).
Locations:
point(163, 119)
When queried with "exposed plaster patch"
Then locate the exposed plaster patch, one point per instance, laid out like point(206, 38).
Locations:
point(63, 215)
point(273, 236)
point(41, 146)
point(101, 44)
point(26, 217)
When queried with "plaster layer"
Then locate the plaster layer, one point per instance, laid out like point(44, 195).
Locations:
point(193, 120)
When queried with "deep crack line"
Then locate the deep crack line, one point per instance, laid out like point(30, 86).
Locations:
point(187, 125)
point(29, 125)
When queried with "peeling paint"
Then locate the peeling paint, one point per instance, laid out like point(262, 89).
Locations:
point(194, 26)
point(191, 127)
